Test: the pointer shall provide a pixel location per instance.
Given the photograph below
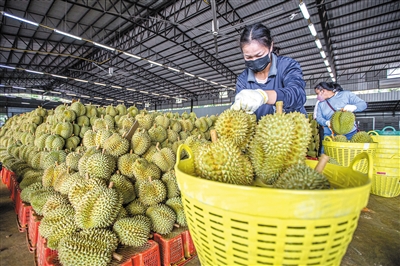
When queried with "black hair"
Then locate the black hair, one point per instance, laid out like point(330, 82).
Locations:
point(330, 86)
point(259, 33)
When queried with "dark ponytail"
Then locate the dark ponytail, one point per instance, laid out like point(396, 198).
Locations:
point(330, 86)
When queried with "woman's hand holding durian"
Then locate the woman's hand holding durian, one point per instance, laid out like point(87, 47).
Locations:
point(250, 100)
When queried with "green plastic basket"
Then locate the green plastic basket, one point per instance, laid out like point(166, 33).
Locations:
point(388, 131)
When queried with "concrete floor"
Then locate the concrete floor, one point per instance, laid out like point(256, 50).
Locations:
point(376, 240)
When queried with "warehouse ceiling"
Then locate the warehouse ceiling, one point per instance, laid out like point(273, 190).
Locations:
point(167, 53)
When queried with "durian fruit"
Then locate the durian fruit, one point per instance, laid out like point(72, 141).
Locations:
point(26, 192)
point(132, 111)
point(125, 164)
point(88, 247)
point(172, 136)
point(301, 137)
point(54, 157)
point(175, 125)
point(101, 136)
point(84, 129)
point(72, 160)
point(83, 160)
point(157, 133)
point(145, 121)
point(140, 142)
point(201, 124)
point(121, 109)
point(222, 161)
point(271, 144)
point(342, 122)
point(89, 139)
point(163, 121)
point(340, 138)
point(177, 206)
point(79, 189)
point(116, 145)
point(110, 110)
point(133, 231)
point(100, 165)
point(142, 170)
point(83, 120)
point(64, 129)
point(237, 126)
point(123, 213)
point(67, 181)
point(98, 207)
point(39, 197)
point(76, 129)
point(53, 202)
point(30, 177)
point(164, 159)
point(361, 137)
point(103, 123)
point(186, 124)
point(124, 186)
point(72, 143)
point(169, 179)
point(136, 207)
point(151, 191)
point(162, 218)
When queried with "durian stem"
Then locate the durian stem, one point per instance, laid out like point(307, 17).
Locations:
point(111, 185)
point(279, 107)
point(117, 256)
point(177, 225)
point(257, 182)
point(214, 137)
point(323, 160)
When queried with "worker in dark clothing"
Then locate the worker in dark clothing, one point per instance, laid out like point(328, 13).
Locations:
point(268, 77)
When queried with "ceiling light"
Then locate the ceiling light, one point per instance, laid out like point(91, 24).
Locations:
point(188, 74)
point(20, 88)
point(329, 69)
point(323, 55)
point(312, 29)
point(215, 83)
point(57, 76)
point(132, 55)
point(85, 96)
point(7, 67)
point(155, 93)
point(104, 46)
point(81, 80)
point(167, 96)
point(21, 19)
point(121, 101)
point(174, 69)
point(24, 103)
point(304, 10)
point(101, 84)
point(232, 89)
point(154, 63)
point(223, 86)
point(130, 89)
point(70, 94)
point(67, 34)
point(139, 103)
point(129, 102)
point(56, 92)
point(333, 79)
point(318, 43)
point(202, 78)
point(36, 72)
point(99, 98)
point(326, 62)
point(144, 92)
point(331, 74)
point(38, 90)
point(117, 87)
point(109, 99)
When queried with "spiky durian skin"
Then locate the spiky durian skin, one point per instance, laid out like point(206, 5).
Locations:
point(30, 177)
point(176, 204)
point(133, 231)
point(300, 176)
point(54, 156)
point(116, 145)
point(79, 189)
point(72, 160)
point(145, 120)
point(169, 179)
point(157, 133)
point(140, 142)
point(98, 208)
point(125, 164)
point(64, 129)
point(26, 192)
point(124, 186)
point(162, 218)
point(78, 108)
point(142, 170)
point(53, 202)
point(237, 126)
point(301, 137)
point(101, 136)
point(270, 145)
point(89, 139)
point(342, 122)
point(83, 160)
point(88, 247)
point(361, 137)
point(340, 138)
point(151, 192)
point(100, 165)
point(164, 159)
point(39, 197)
point(136, 207)
point(222, 161)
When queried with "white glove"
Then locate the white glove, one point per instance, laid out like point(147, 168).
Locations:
point(328, 123)
point(350, 108)
point(250, 100)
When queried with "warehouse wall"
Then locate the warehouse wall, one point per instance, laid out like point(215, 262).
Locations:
point(377, 121)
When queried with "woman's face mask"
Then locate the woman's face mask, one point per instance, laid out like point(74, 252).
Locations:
point(320, 96)
point(259, 64)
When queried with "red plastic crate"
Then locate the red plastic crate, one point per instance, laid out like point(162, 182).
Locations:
point(44, 255)
point(188, 245)
point(7, 179)
point(13, 188)
point(23, 214)
point(171, 248)
point(33, 230)
point(2, 174)
point(146, 255)
point(187, 261)
point(17, 197)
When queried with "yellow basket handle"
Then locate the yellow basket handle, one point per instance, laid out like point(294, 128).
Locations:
point(373, 132)
point(189, 165)
point(328, 138)
point(361, 156)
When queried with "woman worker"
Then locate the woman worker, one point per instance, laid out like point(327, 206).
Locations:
point(268, 78)
point(332, 97)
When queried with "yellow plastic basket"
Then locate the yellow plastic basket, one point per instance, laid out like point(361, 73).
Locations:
point(386, 144)
point(386, 181)
point(345, 152)
point(244, 225)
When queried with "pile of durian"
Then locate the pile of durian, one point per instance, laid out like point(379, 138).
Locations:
point(313, 146)
point(359, 137)
point(94, 188)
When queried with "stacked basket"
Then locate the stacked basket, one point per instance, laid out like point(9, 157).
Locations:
point(245, 225)
point(386, 176)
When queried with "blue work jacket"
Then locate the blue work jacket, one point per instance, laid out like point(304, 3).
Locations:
point(338, 101)
point(286, 78)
